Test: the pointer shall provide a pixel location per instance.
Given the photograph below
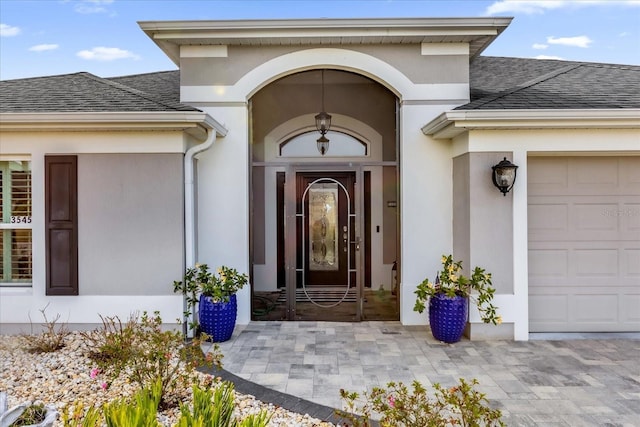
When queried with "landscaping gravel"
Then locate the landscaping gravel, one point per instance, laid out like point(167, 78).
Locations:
point(64, 378)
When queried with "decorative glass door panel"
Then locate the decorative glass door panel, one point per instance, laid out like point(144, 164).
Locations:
point(323, 227)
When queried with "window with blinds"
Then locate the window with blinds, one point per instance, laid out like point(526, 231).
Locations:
point(15, 222)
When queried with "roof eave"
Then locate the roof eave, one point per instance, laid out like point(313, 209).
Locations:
point(453, 123)
point(169, 35)
point(193, 122)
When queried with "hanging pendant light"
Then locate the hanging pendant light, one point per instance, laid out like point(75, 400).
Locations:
point(323, 124)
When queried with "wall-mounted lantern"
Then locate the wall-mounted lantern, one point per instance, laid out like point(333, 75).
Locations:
point(504, 175)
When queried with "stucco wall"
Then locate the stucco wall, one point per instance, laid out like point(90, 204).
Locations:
point(461, 209)
point(130, 213)
point(20, 305)
point(406, 58)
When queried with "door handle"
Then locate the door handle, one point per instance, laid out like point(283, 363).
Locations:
point(357, 243)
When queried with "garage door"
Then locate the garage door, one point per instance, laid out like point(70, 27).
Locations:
point(584, 244)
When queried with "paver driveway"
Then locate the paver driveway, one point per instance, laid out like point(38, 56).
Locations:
point(569, 382)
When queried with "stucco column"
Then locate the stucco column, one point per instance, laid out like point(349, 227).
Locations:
point(425, 207)
point(483, 234)
point(520, 248)
point(223, 203)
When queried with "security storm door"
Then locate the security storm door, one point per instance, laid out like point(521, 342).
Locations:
point(327, 248)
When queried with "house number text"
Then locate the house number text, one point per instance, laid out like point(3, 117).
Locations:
point(20, 220)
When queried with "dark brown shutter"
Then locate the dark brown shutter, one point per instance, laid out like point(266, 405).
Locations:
point(61, 214)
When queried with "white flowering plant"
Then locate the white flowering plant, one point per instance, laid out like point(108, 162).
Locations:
point(451, 283)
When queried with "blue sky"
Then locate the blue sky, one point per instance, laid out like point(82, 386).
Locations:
point(102, 37)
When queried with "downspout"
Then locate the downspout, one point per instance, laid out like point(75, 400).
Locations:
point(189, 211)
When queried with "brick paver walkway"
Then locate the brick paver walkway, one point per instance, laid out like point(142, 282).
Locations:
point(570, 382)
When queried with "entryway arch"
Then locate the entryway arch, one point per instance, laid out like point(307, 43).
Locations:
point(361, 190)
point(329, 58)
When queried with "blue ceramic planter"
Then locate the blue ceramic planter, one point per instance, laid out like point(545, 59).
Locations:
point(448, 317)
point(217, 319)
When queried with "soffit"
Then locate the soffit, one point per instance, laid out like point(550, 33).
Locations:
point(453, 123)
point(477, 32)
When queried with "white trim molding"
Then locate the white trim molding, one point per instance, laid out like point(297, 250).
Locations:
point(218, 51)
point(452, 123)
point(194, 122)
point(432, 49)
point(477, 32)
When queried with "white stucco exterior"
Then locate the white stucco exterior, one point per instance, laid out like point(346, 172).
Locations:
point(434, 148)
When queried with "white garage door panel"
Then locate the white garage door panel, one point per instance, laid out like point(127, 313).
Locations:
point(596, 308)
point(630, 308)
point(596, 263)
point(584, 244)
point(631, 263)
point(549, 310)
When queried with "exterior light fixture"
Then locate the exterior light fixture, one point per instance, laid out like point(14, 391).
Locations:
point(323, 124)
point(504, 175)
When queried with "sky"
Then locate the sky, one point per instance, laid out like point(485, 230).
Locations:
point(49, 37)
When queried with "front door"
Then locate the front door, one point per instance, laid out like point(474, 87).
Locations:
point(327, 248)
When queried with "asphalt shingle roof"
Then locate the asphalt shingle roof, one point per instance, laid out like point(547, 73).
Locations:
point(82, 92)
point(518, 83)
point(496, 83)
point(164, 85)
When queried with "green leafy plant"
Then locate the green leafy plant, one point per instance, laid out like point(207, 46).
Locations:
point(77, 416)
point(51, 339)
point(451, 283)
point(200, 280)
point(214, 407)
point(149, 354)
point(401, 406)
point(139, 413)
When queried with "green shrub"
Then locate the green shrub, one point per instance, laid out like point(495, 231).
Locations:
point(114, 340)
point(399, 406)
point(142, 352)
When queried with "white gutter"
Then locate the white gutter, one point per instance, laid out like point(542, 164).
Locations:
point(189, 197)
point(189, 202)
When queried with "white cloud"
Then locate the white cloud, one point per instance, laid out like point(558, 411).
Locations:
point(540, 6)
point(578, 41)
point(92, 6)
point(43, 47)
point(549, 57)
point(8, 30)
point(624, 34)
point(540, 46)
point(106, 54)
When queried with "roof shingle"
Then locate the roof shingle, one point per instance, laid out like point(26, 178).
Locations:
point(496, 83)
point(518, 83)
point(81, 92)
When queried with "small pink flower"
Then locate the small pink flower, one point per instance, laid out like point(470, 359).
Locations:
point(94, 373)
point(104, 386)
point(392, 401)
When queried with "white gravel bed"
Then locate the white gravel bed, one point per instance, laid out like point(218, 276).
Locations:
point(63, 378)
